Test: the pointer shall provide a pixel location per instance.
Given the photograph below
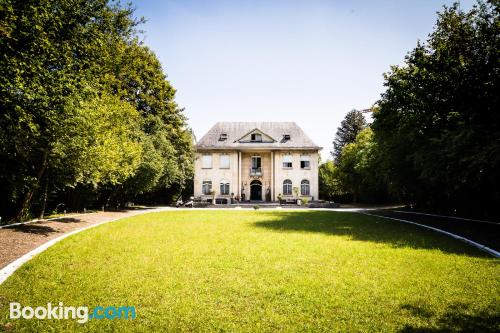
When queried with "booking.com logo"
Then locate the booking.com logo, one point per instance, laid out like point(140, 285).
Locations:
point(82, 314)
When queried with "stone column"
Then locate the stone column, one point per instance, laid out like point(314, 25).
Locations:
point(239, 174)
point(272, 176)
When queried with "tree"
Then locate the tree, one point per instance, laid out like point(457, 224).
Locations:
point(168, 153)
point(50, 52)
point(86, 110)
point(359, 170)
point(329, 182)
point(438, 126)
point(349, 128)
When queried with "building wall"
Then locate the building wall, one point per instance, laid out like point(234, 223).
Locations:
point(246, 178)
point(215, 174)
point(296, 174)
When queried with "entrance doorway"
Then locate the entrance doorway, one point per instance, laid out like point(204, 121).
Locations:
point(255, 190)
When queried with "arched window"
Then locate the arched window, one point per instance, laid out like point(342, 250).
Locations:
point(206, 187)
point(224, 187)
point(304, 187)
point(287, 187)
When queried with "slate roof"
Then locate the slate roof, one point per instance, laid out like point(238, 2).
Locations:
point(236, 130)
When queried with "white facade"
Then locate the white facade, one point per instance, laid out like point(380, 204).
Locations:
point(272, 175)
point(256, 161)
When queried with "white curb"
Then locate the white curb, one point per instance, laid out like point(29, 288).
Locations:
point(448, 217)
point(13, 266)
point(481, 247)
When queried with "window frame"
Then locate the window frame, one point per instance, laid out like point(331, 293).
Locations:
point(203, 166)
point(287, 187)
point(305, 183)
point(253, 137)
point(223, 186)
point(204, 191)
point(228, 161)
point(285, 163)
point(305, 158)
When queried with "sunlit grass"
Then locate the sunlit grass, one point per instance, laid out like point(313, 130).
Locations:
point(262, 271)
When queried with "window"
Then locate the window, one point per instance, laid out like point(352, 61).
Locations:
point(207, 161)
point(304, 162)
point(256, 137)
point(304, 187)
point(223, 137)
point(287, 161)
point(286, 137)
point(287, 187)
point(224, 161)
point(206, 187)
point(256, 168)
point(224, 187)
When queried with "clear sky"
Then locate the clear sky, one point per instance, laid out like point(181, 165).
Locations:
point(303, 61)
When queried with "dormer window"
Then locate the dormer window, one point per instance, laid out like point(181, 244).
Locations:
point(286, 136)
point(223, 137)
point(256, 137)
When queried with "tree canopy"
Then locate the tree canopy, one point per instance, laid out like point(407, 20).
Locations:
point(86, 108)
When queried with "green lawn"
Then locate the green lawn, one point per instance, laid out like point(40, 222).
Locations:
point(262, 271)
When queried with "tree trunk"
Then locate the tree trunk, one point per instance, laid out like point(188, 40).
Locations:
point(29, 195)
point(45, 194)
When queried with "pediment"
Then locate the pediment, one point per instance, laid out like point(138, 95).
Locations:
point(247, 138)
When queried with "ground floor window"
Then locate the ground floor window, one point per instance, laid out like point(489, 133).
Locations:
point(206, 187)
point(304, 187)
point(287, 187)
point(224, 188)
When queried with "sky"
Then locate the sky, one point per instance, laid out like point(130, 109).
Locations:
point(305, 61)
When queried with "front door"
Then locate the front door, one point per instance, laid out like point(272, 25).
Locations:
point(256, 190)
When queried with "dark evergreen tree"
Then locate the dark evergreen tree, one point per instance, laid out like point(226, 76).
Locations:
point(353, 123)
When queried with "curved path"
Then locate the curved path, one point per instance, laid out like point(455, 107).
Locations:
point(20, 239)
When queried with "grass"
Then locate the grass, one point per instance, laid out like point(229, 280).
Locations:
point(262, 271)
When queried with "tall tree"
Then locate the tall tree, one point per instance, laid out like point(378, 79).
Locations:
point(359, 171)
point(84, 106)
point(353, 123)
point(438, 126)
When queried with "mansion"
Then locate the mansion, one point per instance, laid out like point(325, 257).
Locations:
point(256, 161)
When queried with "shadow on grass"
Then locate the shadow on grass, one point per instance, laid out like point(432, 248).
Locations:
point(366, 228)
point(457, 318)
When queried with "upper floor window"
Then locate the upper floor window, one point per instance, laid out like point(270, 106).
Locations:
point(287, 187)
point(305, 162)
point(287, 161)
point(224, 187)
point(224, 161)
point(305, 187)
point(206, 161)
point(206, 187)
point(256, 137)
point(223, 137)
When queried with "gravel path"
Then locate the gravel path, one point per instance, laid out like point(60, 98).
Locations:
point(18, 240)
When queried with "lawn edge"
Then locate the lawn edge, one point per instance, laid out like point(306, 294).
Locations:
point(479, 246)
point(8, 270)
